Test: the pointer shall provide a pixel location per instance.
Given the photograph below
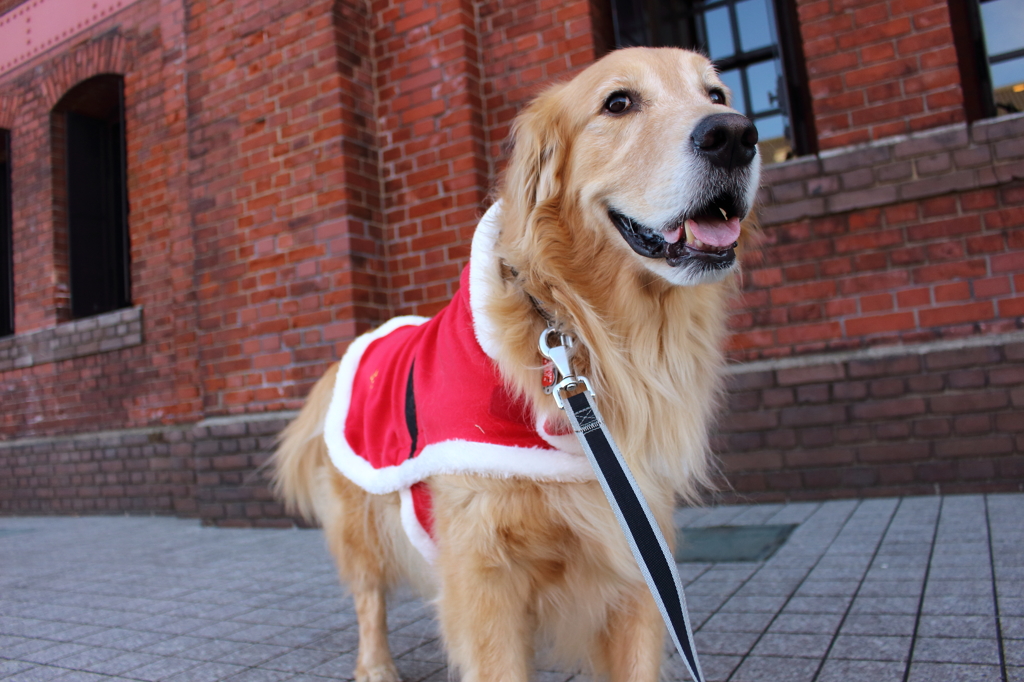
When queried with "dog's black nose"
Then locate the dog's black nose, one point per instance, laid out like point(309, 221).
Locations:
point(726, 140)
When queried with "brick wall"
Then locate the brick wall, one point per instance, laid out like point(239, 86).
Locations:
point(139, 471)
point(299, 173)
point(879, 68)
point(905, 240)
point(212, 469)
point(135, 384)
point(450, 81)
point(944, 417)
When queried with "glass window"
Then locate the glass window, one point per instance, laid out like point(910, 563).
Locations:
point(1003, 25)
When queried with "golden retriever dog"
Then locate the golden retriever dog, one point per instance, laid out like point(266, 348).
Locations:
point(617, 222)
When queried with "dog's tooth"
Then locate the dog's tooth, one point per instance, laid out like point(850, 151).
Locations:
point(689, 230)
point(725, 216)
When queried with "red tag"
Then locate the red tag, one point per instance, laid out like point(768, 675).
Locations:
point(549, 374)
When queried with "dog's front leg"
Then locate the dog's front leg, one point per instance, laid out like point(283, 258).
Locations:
point(630, 647)
point(486, 619)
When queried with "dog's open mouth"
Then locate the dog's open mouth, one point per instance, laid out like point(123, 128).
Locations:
point(706, 236)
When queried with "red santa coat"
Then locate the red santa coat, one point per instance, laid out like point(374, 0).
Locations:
point(419, 397)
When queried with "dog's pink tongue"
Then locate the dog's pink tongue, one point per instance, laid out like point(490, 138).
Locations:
point(720, 233)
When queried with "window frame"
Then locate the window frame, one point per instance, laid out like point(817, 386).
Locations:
point(972, 59)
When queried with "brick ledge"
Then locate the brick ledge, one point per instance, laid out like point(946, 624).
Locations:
point(902, 168)
point(214, 426)
point(875, 353)
point(97, 334)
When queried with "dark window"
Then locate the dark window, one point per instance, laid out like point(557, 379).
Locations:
point(92, 114)
point(6, 241)
point(742, 38)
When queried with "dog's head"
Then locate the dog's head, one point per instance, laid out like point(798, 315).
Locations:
point(644, 147)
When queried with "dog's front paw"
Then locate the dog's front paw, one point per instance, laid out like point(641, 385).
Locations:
point(378, 673)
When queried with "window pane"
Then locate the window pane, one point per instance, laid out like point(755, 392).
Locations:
point(770, 127)
point(763, 80)
point(1004, 25)
point(755, 31)
point(1008, 73)
point(719, 32)
point(732, 80)
point(1008, 86)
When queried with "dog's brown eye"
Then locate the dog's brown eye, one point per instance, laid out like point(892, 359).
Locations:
point(717, 96)
point(618, 102)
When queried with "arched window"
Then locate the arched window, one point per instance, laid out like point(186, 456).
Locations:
point(90, 119)
point(6, 252)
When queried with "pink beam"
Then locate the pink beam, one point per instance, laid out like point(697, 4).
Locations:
point(38, 25)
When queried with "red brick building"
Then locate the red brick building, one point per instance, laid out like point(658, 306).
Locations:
point(294, 173)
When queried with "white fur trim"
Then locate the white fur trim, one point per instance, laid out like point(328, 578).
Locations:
point(334, 424)
point(418, 535)
point(483, 270)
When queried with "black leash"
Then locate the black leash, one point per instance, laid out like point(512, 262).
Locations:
point(627, 501)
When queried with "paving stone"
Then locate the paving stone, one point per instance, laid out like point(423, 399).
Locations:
point(958, 605)
point(817, 605)
point(1012, 626)
point(777, 669)
point(260, 675)
point(41, 673)
point(11, 667)
point(788, 645)
point(806, 623)
point(884, 605)
point(431, 651)
point(770, 604)
point(162, 669)
point(126, 640)
point(730, 643)
point(954, 650)
point(836, 670)
point(300, 660)
point(89, 656)
point(207, 672)
point(940, 672)
point(891, 588)
point(871, 648)
point(54, 653)
point(338, 642)
point(253, 655)
point(738, 622)
point(340, 668)
point(958, 626)
point(120, 665)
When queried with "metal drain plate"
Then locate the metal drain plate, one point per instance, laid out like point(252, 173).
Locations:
point(715, 544)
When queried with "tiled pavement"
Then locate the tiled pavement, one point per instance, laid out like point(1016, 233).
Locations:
point(903, 590)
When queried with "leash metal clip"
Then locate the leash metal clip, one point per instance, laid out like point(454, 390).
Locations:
point(559, 356)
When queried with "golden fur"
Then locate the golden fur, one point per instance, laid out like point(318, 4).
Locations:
point(523, 563)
